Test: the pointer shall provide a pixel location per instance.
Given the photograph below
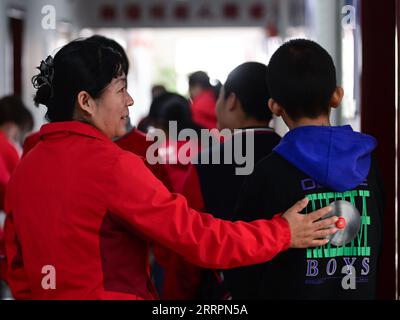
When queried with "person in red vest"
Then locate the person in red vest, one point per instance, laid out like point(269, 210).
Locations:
point(204, 97)
point(15, 122)
point(170, 114)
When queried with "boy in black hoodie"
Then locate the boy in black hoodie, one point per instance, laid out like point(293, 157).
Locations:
point(324, 163)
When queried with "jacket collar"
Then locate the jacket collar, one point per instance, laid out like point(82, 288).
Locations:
point(72, 127)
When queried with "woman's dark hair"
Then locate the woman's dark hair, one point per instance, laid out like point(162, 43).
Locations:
point(107, 42)
point(81, 65)
point(301, 77)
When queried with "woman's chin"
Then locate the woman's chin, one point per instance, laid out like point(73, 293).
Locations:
point(121, 132)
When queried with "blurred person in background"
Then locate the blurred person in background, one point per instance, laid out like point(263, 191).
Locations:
point(145, 123)
point(15, 122)
point(157, 89)
point(171, 108)
point(204, 96)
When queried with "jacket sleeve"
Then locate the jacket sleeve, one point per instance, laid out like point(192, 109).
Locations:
point(16, 276)
point(139, 198)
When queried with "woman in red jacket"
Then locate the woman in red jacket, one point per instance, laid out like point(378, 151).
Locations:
point(80, 210)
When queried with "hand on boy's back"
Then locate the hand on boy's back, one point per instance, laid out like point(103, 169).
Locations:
point(308, 230)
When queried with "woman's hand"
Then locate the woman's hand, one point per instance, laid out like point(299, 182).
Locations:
point(307, 230)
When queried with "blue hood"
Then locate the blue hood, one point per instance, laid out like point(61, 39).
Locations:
point(335, 157)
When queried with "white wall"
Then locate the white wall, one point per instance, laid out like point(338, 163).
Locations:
point(37, 42)
point(325, 26)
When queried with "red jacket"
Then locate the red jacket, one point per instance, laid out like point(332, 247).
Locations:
point(134, 141)
point(203, 110)
point(87, 208)
point(3, 265)
point(9, 159)
point(175, 172)
point(30, 141)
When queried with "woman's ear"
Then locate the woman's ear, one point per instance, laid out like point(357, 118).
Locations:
point(337, 97)
point(275, 108)
point(85, 103)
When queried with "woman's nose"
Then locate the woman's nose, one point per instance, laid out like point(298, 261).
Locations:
point(130, 101)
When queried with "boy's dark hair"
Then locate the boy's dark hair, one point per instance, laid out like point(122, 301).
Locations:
point(12, 109)
point(302, 78)
point(80, 65)
point(249, 83)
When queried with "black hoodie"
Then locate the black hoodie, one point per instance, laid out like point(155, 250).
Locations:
point(325, 164)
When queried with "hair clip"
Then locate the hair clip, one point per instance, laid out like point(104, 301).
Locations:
point(46, 75)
